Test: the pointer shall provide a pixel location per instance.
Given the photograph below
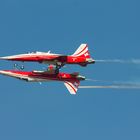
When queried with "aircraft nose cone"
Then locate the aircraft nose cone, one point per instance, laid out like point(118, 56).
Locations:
point(6, 72)
point(1, 58)
point(5, 58)
point(3, 72)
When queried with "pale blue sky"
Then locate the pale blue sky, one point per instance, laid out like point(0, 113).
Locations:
point(32, 111)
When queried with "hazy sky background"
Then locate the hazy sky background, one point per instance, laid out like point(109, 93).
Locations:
point(32, 111)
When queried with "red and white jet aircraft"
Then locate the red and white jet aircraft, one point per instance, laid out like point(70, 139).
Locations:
point(71, 81)
point(81, 57)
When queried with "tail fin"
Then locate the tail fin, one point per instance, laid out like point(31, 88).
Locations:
point(82, 51)
point(72, 86)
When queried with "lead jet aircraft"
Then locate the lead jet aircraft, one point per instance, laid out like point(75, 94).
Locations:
point(71, 81)
point(81, 57)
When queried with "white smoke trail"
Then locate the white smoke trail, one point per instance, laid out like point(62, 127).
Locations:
point(126, 83)
point(112, 87)
point(132, 61)
point(94, 80)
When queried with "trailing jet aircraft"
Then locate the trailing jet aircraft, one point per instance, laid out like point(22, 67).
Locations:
point(81, 57)
point(71, 81)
